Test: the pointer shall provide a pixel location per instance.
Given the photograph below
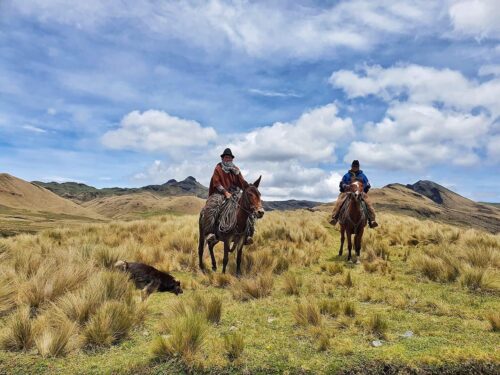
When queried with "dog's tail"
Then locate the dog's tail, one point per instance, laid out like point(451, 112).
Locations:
point(122, 264)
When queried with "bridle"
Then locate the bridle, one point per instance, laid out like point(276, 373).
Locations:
point(246, 202)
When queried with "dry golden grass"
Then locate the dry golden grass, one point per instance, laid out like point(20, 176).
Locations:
point(234, 344)
point(307, 312)
point(292, 284)
point(494, 320)
point(259, 287)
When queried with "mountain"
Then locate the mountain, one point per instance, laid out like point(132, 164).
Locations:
point(427, 199)
point(80, 193)
point(27, 207)
point(144, 204)
point(289, 205)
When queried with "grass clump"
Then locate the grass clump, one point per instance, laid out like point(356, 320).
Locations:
point(55, 338)
point(234, 344)
point(494, 320)
point(330, 307)
point(110, 324)
point(8, 294)
point(323, 342)
point(475, 278)
point(349, 309)
point(19, 334)
point(186, 336)
point(307, 312)
point(292, 284)
point(259, 287)
point(377, 325)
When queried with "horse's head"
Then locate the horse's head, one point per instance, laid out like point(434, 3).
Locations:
point(356, 189)
point(251, 195)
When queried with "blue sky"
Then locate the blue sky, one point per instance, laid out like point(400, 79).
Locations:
point(116, 94)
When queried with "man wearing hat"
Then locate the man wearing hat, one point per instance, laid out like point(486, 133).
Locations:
point(354, 174)
point(226, 180)
point(227, 176)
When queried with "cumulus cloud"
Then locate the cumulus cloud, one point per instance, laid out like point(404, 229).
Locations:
point(476, 18)
point(154, 130)
point(433, 115)
point(312, 137)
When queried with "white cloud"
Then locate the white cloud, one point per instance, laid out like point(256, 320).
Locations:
point(155, 130)
point(310, 138)
point(433, 115)
point(493, 149)
point(476, 18)
point(278, 94)
point(34, 129)
point(273, 30)
point(487, 70)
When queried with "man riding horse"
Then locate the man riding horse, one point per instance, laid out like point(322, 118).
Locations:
point(354, 174)
point(226, 181)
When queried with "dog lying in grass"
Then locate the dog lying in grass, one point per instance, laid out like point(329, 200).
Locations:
point(149, 279)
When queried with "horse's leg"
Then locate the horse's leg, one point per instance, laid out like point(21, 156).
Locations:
point(212, 256)
point(349, 244)
point(226, 256)
point(342, 239)
point(201, 245)
point(357, 241)
point(238, 256)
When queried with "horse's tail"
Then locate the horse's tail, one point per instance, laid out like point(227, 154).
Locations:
point(201, 236)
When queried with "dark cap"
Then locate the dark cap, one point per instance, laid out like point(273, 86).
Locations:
point(355, 163)
point(227, 152)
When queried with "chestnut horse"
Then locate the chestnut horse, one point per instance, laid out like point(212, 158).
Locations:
point(249, 205)
point(352, 218)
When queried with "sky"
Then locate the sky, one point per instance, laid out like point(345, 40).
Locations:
point(129, 93)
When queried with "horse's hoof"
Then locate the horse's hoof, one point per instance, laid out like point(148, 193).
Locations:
point(358, 262)
point(214, 269)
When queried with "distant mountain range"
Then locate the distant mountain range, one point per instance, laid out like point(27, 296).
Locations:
point(29, 207)
point(81, 193)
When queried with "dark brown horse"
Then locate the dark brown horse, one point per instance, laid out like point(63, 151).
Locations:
point(352, 218)
point(249, 204)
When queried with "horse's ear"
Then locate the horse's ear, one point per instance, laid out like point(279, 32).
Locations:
point(257, 182)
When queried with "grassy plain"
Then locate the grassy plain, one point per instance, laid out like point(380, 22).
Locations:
point(427, 292)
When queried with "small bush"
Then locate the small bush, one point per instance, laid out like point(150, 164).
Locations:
point(234, 345)
point(111, 323)
point(20, 333)
point(349, 308)
point(377, 325)
point(494, 319)
point(55, 338)
point(259, 287)
point(307, 313)
point(213, 309)
point(323, 342)
point(329, 307)
point(292, 284)
point(187, 334)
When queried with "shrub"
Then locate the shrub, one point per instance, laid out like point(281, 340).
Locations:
point(234, 345)
point(55, 338)
point(378, 325)
point(329, 307)
point(292, 284)
point(259, 287)
point(307, 312)
point(111, 323)
point(349, 308)
point(187, 334)
point(494, 319)
point(20, 333)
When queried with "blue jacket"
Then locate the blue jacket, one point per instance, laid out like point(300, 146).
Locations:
point(359, 175)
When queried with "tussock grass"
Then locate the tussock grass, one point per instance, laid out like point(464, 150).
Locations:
point(307, 312)
point(234, 344)
point(292, 284)
point(377, 324)
point(186, 336)
point(110, 324)
point(349, 308)
point(210, 307)
point(19, 334)
point(323, 342)
point(259, 287)
point(476, 278)
point(329, 307)
point(56, 334)
point(8, 294)
point(494, 320)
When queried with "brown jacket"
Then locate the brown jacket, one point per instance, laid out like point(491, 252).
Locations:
point(226, 180)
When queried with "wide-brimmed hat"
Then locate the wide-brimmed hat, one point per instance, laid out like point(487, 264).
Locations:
point(227, 152)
